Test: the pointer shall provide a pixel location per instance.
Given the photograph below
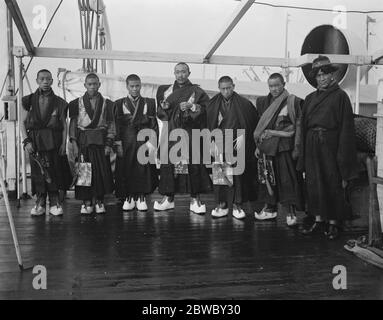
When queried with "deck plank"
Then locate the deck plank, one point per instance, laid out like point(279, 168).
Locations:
point(175, 255)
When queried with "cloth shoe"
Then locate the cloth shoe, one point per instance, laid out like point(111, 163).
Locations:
point(129, 204)
point(141, 204)
point(37, 211)
point(291, 220)
point(163, 205)
point(197, 207)
point(238, 212)
point(265, 214)
point(219, 212)
point(100, 208)
point(56, 210)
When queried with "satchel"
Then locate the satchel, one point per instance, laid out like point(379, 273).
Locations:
point(84, 173)
point(181, 168)
point(222, 174)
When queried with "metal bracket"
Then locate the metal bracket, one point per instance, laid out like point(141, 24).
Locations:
point(286, 63)
point(20, 52)
point(363, 60)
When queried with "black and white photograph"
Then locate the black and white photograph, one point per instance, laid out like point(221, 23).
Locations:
point(191, 155)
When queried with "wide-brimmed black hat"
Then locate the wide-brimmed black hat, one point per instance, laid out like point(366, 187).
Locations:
point(322, 63)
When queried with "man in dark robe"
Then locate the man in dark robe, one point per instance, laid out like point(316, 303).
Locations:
point(329, 152)
point(229, 111)
point(134, 180)
point(44, 129)
point(182, 105)
point(91, 133)
point(277, 137)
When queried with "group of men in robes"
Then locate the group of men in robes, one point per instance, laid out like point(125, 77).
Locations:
point(276, 142)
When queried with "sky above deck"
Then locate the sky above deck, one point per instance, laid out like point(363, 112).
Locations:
point(190, 26)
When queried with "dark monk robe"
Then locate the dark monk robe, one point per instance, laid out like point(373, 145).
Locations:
point(132, 177)
point(281, 114)
point(329, 151)
point(44, 126)
point(197, 180)
point(236, 113)
point(92, 126)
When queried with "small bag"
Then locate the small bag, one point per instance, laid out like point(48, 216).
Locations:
point(84, 173)
point(222, 174)
point(266, 171)
point(181, 168)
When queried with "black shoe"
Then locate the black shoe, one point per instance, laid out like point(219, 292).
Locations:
point(316, 228)
point(333, 232)
point(308, 220)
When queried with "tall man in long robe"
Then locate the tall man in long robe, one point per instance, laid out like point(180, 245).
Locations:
point(329, 151)
point(182, 105)
point(91, 133)
point(277, 136)
point(229, 111)
point(134, 180)
point(44, 129)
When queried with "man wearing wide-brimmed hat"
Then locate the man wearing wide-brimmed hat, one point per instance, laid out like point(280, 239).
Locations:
point(329, 152)
point(323, 64)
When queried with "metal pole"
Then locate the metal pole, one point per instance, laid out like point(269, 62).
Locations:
point(3, 152)
point(11, 63)
point(357, 92)
point(11, 222)
point(21, 150)
point(18, 140)
point(9, 170)
point(287, 71)
point(368, 21)
point(379, 147)
point(367, 32)
point(23, 162)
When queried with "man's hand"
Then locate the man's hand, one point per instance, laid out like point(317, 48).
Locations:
point(257, 153)
point(119, 151)
point(344, 184)
point(165, 105)
point(266, 135)
point(62, 150)
point(108, 150)
point(29, 148)
point(185, 106)
point(238, 142)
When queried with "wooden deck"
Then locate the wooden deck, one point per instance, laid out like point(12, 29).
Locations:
point(175, 255)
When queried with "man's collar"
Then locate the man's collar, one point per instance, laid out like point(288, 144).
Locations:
point(44, 93)
point(185, 84)
point(227, 100)
point(96, 96)
point(272, 98)
point(134, 99)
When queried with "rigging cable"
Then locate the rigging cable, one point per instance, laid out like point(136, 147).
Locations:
point(315, 9)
